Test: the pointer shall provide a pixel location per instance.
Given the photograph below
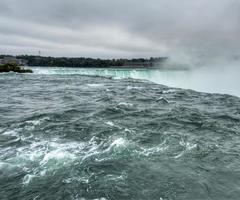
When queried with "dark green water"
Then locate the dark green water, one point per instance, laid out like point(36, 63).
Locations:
point(74, 137)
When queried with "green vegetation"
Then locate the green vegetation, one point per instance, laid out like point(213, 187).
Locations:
point(12, 67)
point(87, 62)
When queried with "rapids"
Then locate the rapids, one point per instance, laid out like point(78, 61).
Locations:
point(81, 137)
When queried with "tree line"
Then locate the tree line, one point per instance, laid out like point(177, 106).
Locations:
point(84, 62)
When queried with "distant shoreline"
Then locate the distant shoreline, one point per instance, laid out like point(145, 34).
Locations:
point(82, 62)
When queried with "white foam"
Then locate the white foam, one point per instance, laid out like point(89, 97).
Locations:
point(57, 156)
point(129, 131)
point(95, 85)
point(82, 198)
point(31, 124)
point(154, 150)
point(169, 91)
point(35, 155)
point(27, 179)
point(162, 99)
point(47, 157)
point(37, 121)
point(188, 147)
point(109, 123)
point(179, 155)
point(36, 197)
point(81, 179)
point(133, 87)
point(120, 142)
point(125, 104)
point(17, 132)
point(13, 132)
point(113, 177)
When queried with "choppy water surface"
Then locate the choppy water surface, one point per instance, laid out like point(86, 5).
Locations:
point(80, 137)
point(211, 79)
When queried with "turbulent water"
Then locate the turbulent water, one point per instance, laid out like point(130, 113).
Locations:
point(211, 79)
point(75, 137)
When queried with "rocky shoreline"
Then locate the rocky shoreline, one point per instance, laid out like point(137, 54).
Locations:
point(12, 67)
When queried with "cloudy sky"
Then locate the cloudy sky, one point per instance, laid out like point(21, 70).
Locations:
point(123, 28)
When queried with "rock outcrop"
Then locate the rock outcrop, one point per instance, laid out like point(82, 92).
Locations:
point(12, 67)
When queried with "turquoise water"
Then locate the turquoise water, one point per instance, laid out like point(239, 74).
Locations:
point(220, 80)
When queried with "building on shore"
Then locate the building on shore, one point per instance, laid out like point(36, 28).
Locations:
point(14, 60)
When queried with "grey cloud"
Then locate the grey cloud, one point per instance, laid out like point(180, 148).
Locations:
point(120, 28)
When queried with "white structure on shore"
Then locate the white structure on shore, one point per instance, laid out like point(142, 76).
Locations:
point(15, 60)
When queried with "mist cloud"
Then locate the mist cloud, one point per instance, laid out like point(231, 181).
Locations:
point(126, 28)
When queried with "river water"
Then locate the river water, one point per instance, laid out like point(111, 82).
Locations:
point(212, 79)
point(79, 134)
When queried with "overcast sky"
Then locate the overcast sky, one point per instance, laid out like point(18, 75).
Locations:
point(123, 28)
